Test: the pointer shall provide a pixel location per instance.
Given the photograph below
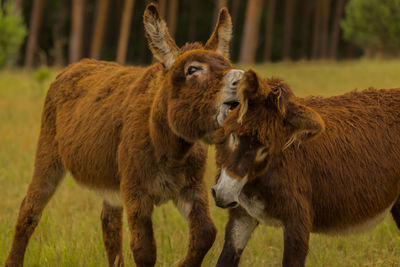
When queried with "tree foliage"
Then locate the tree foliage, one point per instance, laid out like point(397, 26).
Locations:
point(374, 25)
point(12, 32)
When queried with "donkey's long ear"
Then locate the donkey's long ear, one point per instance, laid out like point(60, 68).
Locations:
point(221, 38)
point(161, 44)
point(249, 88)
point(307, 123)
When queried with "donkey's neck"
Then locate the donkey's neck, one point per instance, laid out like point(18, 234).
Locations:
point(168, 146)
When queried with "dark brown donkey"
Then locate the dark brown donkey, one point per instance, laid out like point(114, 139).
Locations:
point(346, 179)
point(131, 135)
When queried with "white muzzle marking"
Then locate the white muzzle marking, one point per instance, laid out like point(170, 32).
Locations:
point(228, 189)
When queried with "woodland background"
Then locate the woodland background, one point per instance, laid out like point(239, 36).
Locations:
point(63, 31)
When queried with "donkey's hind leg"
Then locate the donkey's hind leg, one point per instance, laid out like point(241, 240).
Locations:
point(48, 172)
point(396, 212)
point(111, 222)
point(47, 175)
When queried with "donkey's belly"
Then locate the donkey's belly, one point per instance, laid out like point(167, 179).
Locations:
point(256, 209)
point(366, 225)
point(112, 197)
point(92, 161)
point(164, 188)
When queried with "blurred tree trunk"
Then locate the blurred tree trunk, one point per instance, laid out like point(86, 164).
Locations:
point(287, 28)
point(193, 20)
point(75, 45)
point(34, 26)
point(59, 34)
point(222, 3)
point(18, 10)
point(19, 4)
point(250, 32)
point(99, 27)
point(172, 16)
point(235, 11)
point(316, 30)
point(305, 29)
point(325, 28)
point(162, 7)
point(125, 31)
point(269, 32)
point(336, 28)
point(350, 51)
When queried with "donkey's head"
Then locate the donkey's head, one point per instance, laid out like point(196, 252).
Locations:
point(268, 120)
point(200, 80)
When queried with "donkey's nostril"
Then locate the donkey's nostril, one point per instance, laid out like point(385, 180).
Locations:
point(213, 193)
point(232, 205)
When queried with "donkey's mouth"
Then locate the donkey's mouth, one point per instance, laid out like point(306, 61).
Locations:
point(225, 108)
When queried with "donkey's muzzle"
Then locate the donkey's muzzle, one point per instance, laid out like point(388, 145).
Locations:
point(230, 98)
point(220, 203)
point(233, 78)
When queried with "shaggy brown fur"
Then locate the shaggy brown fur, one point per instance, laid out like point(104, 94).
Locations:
point(130, 133)
point(345, 179)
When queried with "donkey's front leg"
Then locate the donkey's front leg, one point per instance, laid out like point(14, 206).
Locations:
point(193, 205)
point(139, 208)
point(296, 237)
point(237, 233)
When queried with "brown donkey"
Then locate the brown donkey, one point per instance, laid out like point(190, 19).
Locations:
point(346, 179)
point(130, 134)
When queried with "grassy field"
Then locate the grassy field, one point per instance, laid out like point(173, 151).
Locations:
point(69, 233)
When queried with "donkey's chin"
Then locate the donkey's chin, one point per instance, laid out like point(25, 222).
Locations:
point(207, 139)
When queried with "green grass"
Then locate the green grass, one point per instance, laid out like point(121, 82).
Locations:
point(69, 233)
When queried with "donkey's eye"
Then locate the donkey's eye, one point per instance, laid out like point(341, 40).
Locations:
point(232, 104)
point(192, 69)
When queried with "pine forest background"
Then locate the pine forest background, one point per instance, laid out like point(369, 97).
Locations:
point(63, 31)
